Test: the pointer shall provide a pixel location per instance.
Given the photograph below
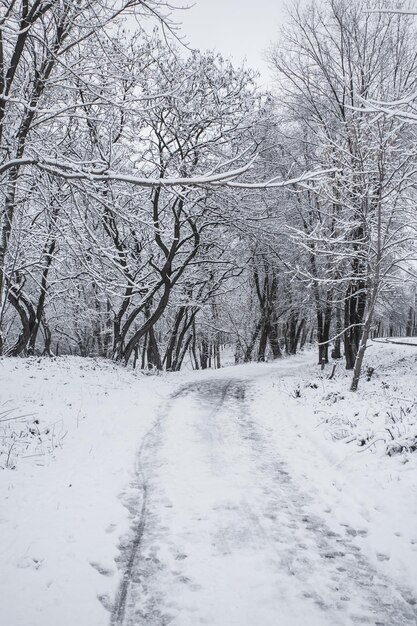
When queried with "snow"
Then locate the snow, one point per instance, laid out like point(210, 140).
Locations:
point(371, 495)
point(61, 516)
point(269, 494)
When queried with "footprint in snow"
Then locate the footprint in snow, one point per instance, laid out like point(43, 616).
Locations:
point(104, 571)
point(28, 562)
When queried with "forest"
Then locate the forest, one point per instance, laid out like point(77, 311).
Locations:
point(208, 313)
point(158, 206)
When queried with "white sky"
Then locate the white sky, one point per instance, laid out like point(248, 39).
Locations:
point(238, 29)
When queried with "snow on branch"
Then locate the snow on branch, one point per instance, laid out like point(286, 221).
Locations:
point(73, 171)
point(274, 183)
point(390, 11)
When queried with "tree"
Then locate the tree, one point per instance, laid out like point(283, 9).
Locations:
point(333, 58)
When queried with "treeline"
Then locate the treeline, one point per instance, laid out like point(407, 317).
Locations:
point(158, 208)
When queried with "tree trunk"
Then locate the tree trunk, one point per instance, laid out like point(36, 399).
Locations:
point(323, 332)
point(217, 355)
point(263, 338)
point(204, 354)
point(363, 342)
point(274, 338)
point(169, 354)
point(249, 348)
point(354, 313)
point(337, 351)
point(153, 354)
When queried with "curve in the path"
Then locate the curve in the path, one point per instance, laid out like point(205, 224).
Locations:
point(226, 538)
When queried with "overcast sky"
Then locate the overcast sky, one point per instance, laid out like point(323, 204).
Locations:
point(236, 28)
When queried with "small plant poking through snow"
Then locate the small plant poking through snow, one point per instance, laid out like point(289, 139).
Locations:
point(399, 424)
point(382, 416)
point(297, 392)
point(23, 436)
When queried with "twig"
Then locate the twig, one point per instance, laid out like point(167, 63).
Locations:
point(373, 442)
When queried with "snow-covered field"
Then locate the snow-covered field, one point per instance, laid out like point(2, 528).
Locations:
point(71, 430)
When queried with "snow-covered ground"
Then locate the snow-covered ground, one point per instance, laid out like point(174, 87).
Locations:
point(61, 516)
point(269, 494)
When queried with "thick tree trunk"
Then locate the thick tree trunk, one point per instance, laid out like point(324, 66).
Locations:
point(204, 354)
point(27, 317)
point(9, 206)
point(274, 339)
point(337, 351)
point(304, 335)
point(364, 340)
point(324, 319)
point(298, 334)
point(217, 359)
point(410, 322)
point(151, 319)
point(355, 303)
point(251, 345)
point(263, 339)
point(290, 333)
point(153, 354)
point(47, 339)
point(193, 346)
point(180, 358)
point(172, 343)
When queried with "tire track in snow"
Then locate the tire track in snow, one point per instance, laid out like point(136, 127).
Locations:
point(132, 551)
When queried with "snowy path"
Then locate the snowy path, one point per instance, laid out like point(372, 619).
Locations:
point(225, 536)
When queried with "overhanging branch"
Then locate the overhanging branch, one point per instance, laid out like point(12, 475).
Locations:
point(72, 171)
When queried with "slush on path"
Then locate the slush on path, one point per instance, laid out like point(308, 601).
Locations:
point(225, 536)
